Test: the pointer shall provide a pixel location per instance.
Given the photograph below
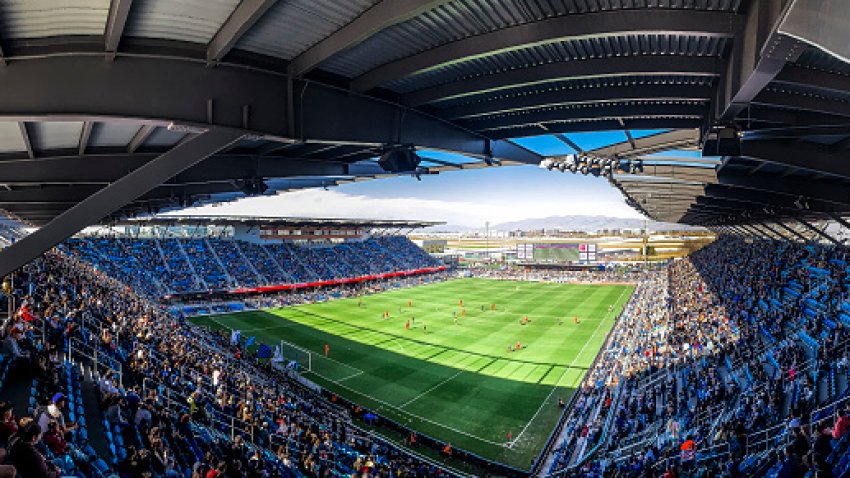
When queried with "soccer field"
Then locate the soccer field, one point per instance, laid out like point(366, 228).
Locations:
point(453, 381)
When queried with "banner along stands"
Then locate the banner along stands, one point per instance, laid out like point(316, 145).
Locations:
point(347, 280)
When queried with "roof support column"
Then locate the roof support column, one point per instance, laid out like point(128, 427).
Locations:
point(114, 196)
point(758, 55)
point(792, 231)
point(777, 232)
point(814, 228)
point(754, 231)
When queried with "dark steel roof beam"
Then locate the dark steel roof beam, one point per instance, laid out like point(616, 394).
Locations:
point(759, 53)
point(771, 200)
point(166, 91)
point(628, 133)
point(563, 97)
point(798, 155)
point(677, 139)
point(243, 17)
point(817, 231)
point(810, 104)
point(708, 24)
point(380, 16)
point(114, 196)
point(84, 137)
point(616, 67)
point(825, 81)
point(828, 193)
point(595, 125)
point(140, 137)
point(25, 137)
point(105, 169)
point(586, 113)
point(777, 232)
point(794, 232)
point(566, 140)
point(119, 10)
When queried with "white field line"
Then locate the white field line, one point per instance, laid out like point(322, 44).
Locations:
point(558, 383)
point(426, 392)
point(412, 415)
point(284, 326)
point(355, 374)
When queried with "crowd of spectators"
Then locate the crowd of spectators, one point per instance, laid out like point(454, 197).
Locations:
point(731, 362)
point(176, 400)
point(561, 275)
point(303, 296)
point(161, 267)
point(740, 371)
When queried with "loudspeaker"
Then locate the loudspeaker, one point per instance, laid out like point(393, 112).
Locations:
point(722, 141)
point(398, 160)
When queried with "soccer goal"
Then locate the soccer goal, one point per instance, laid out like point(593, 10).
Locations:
point(295, 357)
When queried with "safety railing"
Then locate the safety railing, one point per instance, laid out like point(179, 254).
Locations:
point(100, 362)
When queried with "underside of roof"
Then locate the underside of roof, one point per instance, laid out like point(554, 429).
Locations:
point(306, 93)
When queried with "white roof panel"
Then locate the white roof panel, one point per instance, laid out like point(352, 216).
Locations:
point(10, 137)
point(50, 18)
point(195, 21)
point(55, 134)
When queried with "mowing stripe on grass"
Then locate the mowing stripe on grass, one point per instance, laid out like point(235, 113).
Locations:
point(426, 392)
point(381, 366)
point(588, 342)
point(413, 415)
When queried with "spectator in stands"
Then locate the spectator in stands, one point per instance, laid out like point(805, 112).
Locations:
point(842, 424)
point(8, 422)
point(27, 460)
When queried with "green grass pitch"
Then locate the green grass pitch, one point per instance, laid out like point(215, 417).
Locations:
point(453, 381)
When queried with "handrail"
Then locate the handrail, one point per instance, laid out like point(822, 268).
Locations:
point(96, 358)
point(245, 428)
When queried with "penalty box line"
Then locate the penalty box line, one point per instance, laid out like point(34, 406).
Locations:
point(412, 415)
point(558, 383)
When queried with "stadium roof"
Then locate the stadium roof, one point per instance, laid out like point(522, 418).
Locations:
point(278, 221)
point(125, 106)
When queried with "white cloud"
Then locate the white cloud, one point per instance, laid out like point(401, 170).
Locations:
point(338, 204)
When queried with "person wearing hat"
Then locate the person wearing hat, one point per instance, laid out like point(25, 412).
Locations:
point(54, 412)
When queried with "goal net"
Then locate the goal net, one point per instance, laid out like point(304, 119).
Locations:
point(293, 357)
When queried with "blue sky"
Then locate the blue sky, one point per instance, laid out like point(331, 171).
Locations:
point(469, 198)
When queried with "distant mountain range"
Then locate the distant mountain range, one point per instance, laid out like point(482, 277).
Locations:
point(569, 223)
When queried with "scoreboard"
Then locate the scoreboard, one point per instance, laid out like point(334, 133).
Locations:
point(587, 253)
point(583, 253)
point(525, 251)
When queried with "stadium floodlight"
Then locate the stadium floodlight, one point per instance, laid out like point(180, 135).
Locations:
point(399, 159)
point(252, 186)
point(562, 166)
point(547, 163)
point(637, 166)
